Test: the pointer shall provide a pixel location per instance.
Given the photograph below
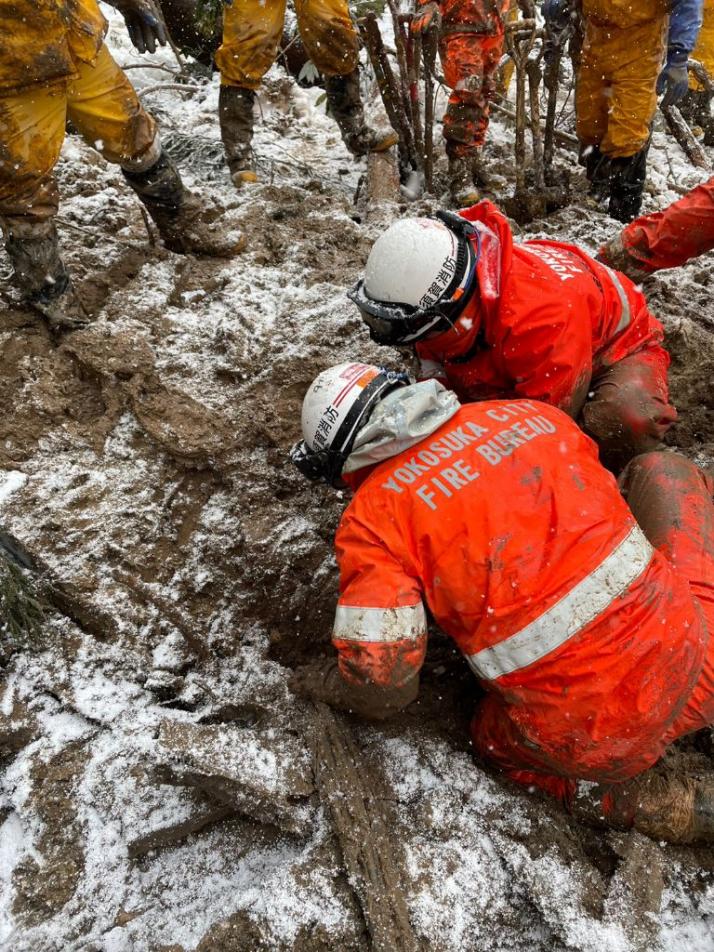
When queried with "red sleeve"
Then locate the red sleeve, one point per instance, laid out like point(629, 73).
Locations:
point(548, 353)
point(380, 623)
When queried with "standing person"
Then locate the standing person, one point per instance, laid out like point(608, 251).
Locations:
point(586, 621)
point(251, 37)
point(666, 239)
point(696, 106)
point(618, 81)
point(54, 67)
point(470, 46)
point(539, 319)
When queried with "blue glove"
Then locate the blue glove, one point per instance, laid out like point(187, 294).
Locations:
point(144, 26)
point(556, 12)
point(673, 81)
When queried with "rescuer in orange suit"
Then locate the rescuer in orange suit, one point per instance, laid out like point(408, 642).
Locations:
point(583, 616)
point(539, 319)
point(666, 239)
point(470, 46)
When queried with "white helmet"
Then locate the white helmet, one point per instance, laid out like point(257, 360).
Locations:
point(418, 277)
point(337, 404)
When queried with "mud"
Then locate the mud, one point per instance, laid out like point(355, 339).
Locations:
point(152, 492)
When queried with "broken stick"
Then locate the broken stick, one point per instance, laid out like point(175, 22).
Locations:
point(362, 827)
point(683, 134)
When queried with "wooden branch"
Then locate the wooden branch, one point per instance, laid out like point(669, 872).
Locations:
point(683, 134)
point(429, 57)
point(364, 831)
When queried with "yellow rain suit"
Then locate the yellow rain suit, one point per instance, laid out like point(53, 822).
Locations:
point(622, 56)
point(252, 30)
point(704, 50)
point(54, 66)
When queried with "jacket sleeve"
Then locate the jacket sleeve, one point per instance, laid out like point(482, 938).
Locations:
point(549, 356)
point(684, 24)
point(380, 624)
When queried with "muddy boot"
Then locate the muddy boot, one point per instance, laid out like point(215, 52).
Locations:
point(184, 224)
point(235, 111)
point(344, 104)
point(627, 185)
point(462, 190)
point(599, 173)
point(40, 274)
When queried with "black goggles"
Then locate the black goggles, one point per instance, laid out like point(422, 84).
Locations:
point(327, 464)
point(394, 323)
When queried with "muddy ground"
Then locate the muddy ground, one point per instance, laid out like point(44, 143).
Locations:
point(161, 788)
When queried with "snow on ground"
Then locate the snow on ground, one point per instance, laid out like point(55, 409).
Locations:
point(157, 789)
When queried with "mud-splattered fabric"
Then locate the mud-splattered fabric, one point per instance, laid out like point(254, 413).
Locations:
point(504, 525)
point(41, 40)
point(615, 96)
point(102, 105)
point(554, 329)
point(252, 30)
point(470, 47)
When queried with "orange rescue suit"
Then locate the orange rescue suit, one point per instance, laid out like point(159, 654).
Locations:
point(505, 527)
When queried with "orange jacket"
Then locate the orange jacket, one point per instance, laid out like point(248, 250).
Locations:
point(545, 318)
point(504, 525)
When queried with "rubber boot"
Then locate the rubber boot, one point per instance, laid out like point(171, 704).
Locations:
point(462, 190)
point(599, 172)
point(344, 104)
point(235, 111)
point(183, 223)
point(40, 273)
point(627, 185)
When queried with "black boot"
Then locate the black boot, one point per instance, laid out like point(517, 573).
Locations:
point(599, 172)
point(235, 112)
point(589, 157)
point(627, 185)
point(183, 223)
point(40, 273)
point(345, 107)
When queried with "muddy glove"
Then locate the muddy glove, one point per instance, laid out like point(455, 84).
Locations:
point(673, 81)
point(556, 13)
point(144, 23)
point(427, 18)
point(322, 681)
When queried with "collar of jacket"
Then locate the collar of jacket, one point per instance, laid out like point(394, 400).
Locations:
point(405, 417)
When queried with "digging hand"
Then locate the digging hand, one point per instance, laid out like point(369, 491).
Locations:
point(145, 25)
point(318, 681)
point(427, 18)
point(322, 681)
point(673, 81)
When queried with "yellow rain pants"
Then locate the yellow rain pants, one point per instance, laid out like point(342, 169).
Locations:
point(615, 96)
point(704, 50)
point(252, 30)
point(101, 104)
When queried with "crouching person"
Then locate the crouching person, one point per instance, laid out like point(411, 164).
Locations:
point(539, 319)
point(55, 67)
point(584, 619)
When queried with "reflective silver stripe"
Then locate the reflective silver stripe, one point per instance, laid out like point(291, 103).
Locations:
point(379, 624)
point(583, 603)
point(626, 315)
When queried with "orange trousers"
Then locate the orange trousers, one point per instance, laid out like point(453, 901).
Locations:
point(470, 61)
point(671, 499)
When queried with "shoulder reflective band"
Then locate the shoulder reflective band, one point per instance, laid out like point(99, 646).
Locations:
point(626, 315)
point(379, 624)
point(583, 603)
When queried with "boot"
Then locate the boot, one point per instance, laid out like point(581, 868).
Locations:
point(184, 224)
point(344, 104)
point(40, 273)
point(598, 169)
point(461, 182)
point(627, 185)
point(235, 111)
point(662, 805)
